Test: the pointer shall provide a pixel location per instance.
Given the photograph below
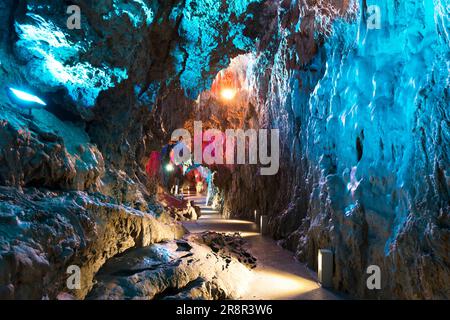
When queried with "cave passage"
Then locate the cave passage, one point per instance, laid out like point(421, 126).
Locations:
point(188, 189)
point(276, 275)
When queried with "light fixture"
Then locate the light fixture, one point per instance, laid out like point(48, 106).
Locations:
point(264, 225)
point(257, 218)
point(325, 268)
point(228, 93)
point(27, 98)
point(169, 167)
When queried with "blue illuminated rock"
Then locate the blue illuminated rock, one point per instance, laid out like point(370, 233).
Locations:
point(112, 90)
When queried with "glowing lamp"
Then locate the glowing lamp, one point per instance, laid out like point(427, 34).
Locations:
point(325, 268)
point(26, 97)
point(264, 225)
point(228, 94)
point(169, 167)
point(257, 218)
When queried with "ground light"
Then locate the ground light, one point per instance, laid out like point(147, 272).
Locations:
point(283, 285)
point(325, 268)
point(228, 93)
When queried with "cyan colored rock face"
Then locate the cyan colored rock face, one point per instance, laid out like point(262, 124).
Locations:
point(54, 56)
point(384, 98)
point(81, 60)
point(368, 121)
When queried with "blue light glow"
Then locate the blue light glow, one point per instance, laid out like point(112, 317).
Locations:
point(55, 61)
point(24, 96)
point(138, 11)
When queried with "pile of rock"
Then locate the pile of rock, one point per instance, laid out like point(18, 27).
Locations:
point(179, 269)
point(228, 247)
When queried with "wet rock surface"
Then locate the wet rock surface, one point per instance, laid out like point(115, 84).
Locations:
point(41, 150)
point(364, 144)
point(229, 247)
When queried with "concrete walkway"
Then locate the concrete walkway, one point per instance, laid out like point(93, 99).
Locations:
point(278, 276)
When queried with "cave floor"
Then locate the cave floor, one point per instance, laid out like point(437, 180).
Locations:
point(278, 276)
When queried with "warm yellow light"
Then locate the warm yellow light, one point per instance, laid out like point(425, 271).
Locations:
point(283, 285)
point(228, 94)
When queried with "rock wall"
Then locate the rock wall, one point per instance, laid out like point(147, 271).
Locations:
point(364, 121)
point(175, 270)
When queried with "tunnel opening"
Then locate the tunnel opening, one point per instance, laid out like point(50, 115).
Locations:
point(227, 105)
point(176, 183)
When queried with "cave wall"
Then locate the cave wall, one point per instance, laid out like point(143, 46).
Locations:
point(130, 60)
point(364, 121)
point(381, 160)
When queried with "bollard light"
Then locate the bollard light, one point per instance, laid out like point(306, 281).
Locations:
point(264, 225)
point(325, 268)
point(257, 219)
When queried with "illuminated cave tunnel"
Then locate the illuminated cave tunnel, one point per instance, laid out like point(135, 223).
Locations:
point(347, 101)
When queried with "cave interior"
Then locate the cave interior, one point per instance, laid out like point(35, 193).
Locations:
point(119, 178)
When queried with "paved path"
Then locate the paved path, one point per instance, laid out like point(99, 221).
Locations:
point(277, 275)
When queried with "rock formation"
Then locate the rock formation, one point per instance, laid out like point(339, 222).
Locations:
point(174, 270)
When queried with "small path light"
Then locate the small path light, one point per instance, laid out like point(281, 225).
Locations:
point(325, 268)
point(169, 167)
point(264, 225)
point(257, 218)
